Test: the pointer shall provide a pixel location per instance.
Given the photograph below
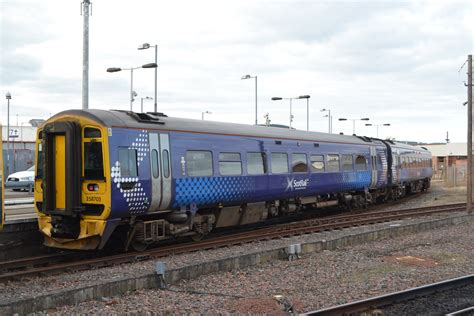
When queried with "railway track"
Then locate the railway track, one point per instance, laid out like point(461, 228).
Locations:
point(75, 261)
point(452, 297)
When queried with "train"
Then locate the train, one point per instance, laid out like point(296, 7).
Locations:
point(140, 178)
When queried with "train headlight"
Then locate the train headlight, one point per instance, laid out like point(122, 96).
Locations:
point(93, 187)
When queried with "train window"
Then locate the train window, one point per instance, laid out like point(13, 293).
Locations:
point(154, 164)
point(230, 164)
point(299, 163)
point(128, 162)
point(317, 163)
point(229, 157)
point(166, 163)
point(279, 163)
point(90, 132)
point(347, 163)
point(360, 163)
point(199, 163)
point(255, 163)
point(333, 163)
point(93, 163)
point(39, 163)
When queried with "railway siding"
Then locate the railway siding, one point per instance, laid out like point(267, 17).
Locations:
point(253, 255)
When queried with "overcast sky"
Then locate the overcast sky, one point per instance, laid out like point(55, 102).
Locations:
point(394, 62)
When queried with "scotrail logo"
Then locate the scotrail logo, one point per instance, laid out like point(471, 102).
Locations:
point(294, 185)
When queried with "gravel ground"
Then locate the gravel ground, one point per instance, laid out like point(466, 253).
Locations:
point(308, 283)
point(441, 303)
point(316, 281)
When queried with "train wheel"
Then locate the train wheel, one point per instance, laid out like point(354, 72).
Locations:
point(197, 237)
point(139, 246)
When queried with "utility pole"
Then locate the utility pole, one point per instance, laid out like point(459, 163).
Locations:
point(469, 134)
point(85, 53)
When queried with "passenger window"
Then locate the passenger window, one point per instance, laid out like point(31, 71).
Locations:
point(347, 163)
point(279, 163)
point(199, 163)
point(317, 163)
point(93, 163)
point(154, 163)
point(166, 164)
point(299, 163)
point(360, 163)
point(255, 163)
point(230, 164)
point(128, 162)
point(333, 163)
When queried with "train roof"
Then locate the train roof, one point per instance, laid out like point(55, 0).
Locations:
point(128, 119)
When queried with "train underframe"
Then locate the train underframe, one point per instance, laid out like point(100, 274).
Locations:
point(146, 230)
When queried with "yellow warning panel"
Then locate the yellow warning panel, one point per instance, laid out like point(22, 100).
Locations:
point(2, 180)
point(60, 170)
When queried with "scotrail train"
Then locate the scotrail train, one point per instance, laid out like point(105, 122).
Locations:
point(146, 177)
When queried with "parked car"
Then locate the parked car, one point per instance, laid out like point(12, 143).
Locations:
point(21, 180)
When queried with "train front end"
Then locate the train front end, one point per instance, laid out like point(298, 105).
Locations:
point(72, 195)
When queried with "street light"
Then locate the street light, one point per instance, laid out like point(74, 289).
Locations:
point(146, 98)
point(353, 122)
point(249, 77)
point(307, 109)
point(146, 46)
point(207, 112)
point(8, 95)
point(386, 124)
point(329, 118)
point(116, 69)
point(291, 106)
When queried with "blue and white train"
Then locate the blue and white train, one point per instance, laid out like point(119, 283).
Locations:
point(145, 177)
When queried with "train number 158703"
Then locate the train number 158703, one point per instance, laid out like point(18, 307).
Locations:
point(93, 199)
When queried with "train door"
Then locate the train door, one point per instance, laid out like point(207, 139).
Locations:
point(155, 171)
point(395, 167)
point(161, 171)
point(166, 171)
point(373, 159)
point(61, 146)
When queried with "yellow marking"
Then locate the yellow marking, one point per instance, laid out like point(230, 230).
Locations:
point(60, 170)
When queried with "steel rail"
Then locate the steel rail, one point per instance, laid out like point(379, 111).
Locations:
point(45, 259)
point(267, 233)
point(392, 298)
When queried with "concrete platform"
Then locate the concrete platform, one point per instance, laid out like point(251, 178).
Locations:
point(328, 241)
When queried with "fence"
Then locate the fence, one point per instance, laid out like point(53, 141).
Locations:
point(20, 160)
point(453, 175)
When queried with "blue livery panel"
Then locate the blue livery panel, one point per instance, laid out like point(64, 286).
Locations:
point(131, 193)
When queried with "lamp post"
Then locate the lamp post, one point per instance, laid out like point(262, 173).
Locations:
point(386, 124)
point(307, 109)
point(329, 119)
point(202, 114)
point(115, 69)
point(85, 52)
point(353, 122)
point(146, 98)
point(291, 106)
point(146, 46)
point(249, 77)
point(8, 95)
